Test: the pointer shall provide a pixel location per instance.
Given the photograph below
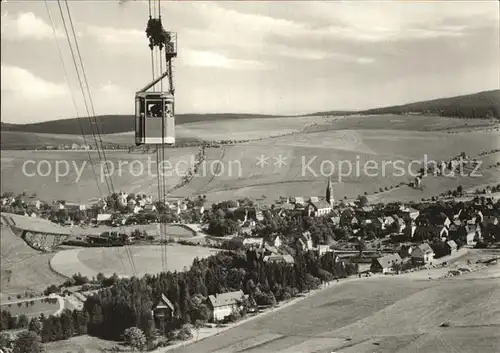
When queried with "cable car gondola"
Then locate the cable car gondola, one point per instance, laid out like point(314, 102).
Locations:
point(155, 111)
point(154, 118)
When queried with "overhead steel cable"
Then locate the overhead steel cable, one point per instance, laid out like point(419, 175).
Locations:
point(89, 93)
point(108, 178)
point(66, 78)
point(73, 56)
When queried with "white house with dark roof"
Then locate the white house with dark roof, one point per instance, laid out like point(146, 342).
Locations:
point(385, 263)
point(224, 304)
point(422, 254)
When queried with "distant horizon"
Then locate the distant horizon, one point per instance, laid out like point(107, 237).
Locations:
point(260, 114)
point(270, 58)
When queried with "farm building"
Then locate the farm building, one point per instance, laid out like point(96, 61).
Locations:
point(162, 310)
point(385, 263)
point(422, 254)
point(451, 247)
point(224, 304)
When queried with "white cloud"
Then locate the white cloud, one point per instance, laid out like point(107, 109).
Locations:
point(117, 36)
point(213, 59)
point(109, 88)
point(27, 86)
point(26, 26)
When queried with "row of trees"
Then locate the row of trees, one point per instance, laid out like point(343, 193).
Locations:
point(129, 302)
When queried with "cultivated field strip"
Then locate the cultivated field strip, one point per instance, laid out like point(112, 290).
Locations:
point(395, 315)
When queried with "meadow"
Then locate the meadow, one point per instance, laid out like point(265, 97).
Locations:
point(147, 259)
point(46, 307)
point(241, 175)
point(385, 314)
point(23, 268)
point(231, 171)
point(133, 173)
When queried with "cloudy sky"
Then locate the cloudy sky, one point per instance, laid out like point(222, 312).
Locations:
point(255, 57)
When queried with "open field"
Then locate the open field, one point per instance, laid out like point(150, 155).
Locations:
point(240, 176)
point(141, 176)
point(23, 268)
point(378, 138)
point(402, 122)
point(33, 310)
point(384, 314)
point(148, 259)
point(81, 344)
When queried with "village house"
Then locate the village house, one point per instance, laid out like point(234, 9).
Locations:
point(163, 310)
point(104, 218)
point(149, 207)
point(276, 241)
point(224, 304)
point(400, 224)
point(451, 247)
point(254, 242)
point(441, 220)
point(408, 212)
point(34, 204)
point(288, 259)
point(409, 231)
point(306, 240)
point(297, 200)
point(422, 254)
point(323, 249)
point(335, 218)
point(75, 146)
point(385, 263)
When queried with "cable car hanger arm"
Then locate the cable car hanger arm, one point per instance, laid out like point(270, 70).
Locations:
point(154, 82)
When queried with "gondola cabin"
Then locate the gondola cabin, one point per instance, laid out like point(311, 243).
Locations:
point(154, 118)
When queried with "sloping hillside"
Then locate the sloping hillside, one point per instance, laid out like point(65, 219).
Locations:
point(111, 124)
point(479, 105)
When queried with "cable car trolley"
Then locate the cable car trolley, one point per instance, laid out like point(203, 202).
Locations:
point(155, 111)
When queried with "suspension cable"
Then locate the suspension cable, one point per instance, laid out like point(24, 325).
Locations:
point(66, 78)
point(80, 83)
point(89, 93)
point(108, 181)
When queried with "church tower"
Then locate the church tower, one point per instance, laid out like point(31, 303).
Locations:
point(329, 193)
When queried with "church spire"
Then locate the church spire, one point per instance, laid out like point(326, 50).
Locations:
point(329, 194)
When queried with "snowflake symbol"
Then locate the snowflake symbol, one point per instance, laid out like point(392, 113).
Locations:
point(262, 161)
point(280, 161)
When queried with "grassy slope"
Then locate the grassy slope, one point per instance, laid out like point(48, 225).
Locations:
point(463, 104)
point(147, 259)
point(242, 177)
point(395, 312)
point(30, 268)
point(71, 188)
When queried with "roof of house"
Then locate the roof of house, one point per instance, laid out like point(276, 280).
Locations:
point(452, 244)
point(104, 217)
point(388, 260)
point(389, 219)
point(163, 302)
point(287, 258)
point(321, 204)
point(223, 299)
point(248, 241)
point(425, 248)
